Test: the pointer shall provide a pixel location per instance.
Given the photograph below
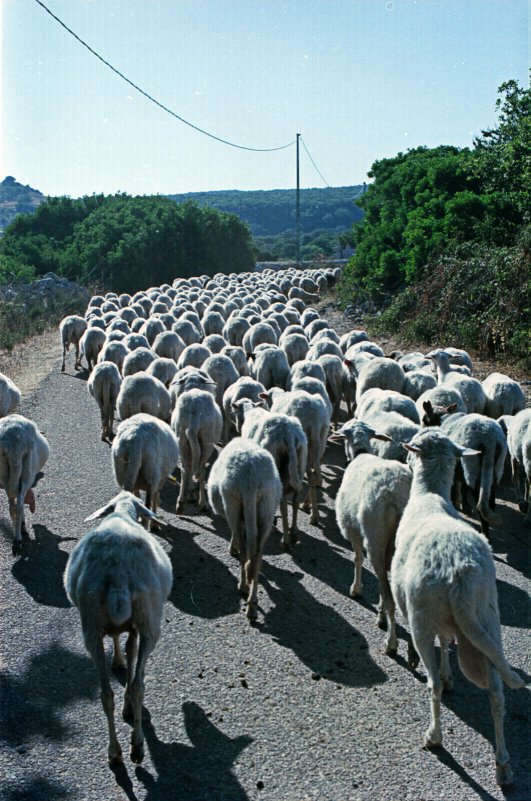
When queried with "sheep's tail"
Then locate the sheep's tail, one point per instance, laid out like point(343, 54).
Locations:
point(119, 606)
point(475, 637)
point(485, 486)
point(131, 461)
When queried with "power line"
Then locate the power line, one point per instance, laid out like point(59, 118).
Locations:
point(152, 99)
point(313, 162)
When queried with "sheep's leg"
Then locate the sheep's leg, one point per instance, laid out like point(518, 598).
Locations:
point(294, 532)
point(425, 647)
point(95, 648)
point(388, 613)
point(65, 348)
point(504, 774)
point(118, 661)
point(77, 363)
point(286, 542)
point(515, 474)
point(185, 488)
point(202, 502)
point(131, 650)
point(445, 671)
point(356, 587)
point(235, 521)
point(252, 572)
point(137, 697)
point(16, 511)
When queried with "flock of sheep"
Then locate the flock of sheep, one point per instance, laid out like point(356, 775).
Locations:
point(244, 365)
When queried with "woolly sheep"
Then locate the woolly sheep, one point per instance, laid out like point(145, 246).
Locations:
point(113, 352)
point(271, 367)
point(470, 388)
point(519, 444)
point(104, 385)
point(258, 334)
point(142, 392)
point(169, 345)
point(198, 423)
point(23, 453)
point(9, 395)
point(313, 415)
point(237, 355)
point(443, 580)
point(118, 576)
point(137, 360)
point(387, 400)
point(244, 387)
point(244, 487)
point(144, 453)
point(442, 398)
point(164, 369)
point(369, 505)
point(90, 345)
point(71, 329)
point(504, 395)
point(193, 356)
point(223, 372)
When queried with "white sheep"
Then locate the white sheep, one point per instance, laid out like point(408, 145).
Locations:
point(504, 395)
point(470, 388)
point(71, 329)
point(244, 387)
point(142, 392)
point(519, 444)
point(118, 576)
point(443, 580)
point(90, 345)
point(244, 487)
point(114, 352)
point(23, 453)
point(369, 505)
point(270, 367)
point(138, 360)
point(144, 453)
point(104, 385)
point(387, 400)
point(164, 369)
point(9, 396)
point(198, 423)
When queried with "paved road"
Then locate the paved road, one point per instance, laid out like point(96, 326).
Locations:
point(303, 706)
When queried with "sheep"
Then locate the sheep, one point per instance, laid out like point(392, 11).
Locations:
point(519, 444)
point(9, 396)
point(190, 378)
point(295, 346)
point(504, 395)
point(439, 400)
point(193, 355)
point(118, 576)
point(443, 580)
point(417, 382)
point(323, 347)
point(369, 505)
point(90, 345)
point(244, 387)
point(214, 342)
point(142, 392)
point(306, 368)
point(379, 372)
point(271, 367)
point(335, 375)
point(387, 400)
point(398, 428)
point(235, 329)
point(198, 423)
point(71, 329)
point(315, 387)
point(470, 389)
point(223, 372)
point(187, 331)
point(113, 352)
point(23, 453)
point(164, 369)
point(168, 344)
point(137, 360)
point(351, 338)
point(244, 487)
point(144, 453)
point(258, 334)
point(286, 441)
point(151, 328)
point(480, 474)
point(104, 385)
point(313, 415)
point(238, 358)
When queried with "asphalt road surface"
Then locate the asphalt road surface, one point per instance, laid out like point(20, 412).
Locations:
point(305, 705)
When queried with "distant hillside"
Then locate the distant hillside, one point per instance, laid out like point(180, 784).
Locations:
point(271, 212)
point(17, 199)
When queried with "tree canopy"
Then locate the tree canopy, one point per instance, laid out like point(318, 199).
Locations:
point(125, 243)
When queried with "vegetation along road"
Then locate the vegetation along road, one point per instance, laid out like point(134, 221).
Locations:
point(304, 705)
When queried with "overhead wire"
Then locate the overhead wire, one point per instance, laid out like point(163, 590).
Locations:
point(156, 102)
point(314, 164)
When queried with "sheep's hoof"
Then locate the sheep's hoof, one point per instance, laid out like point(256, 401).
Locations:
point(117, 758)
point(63, 368)
point(127, 711)
point(382, 622)
point(251, 614)
point(355, 592)
point(523, 506)
point(17, 548)
point(234, 552)
point(504, 774)
point(432, 741)
point(391, 650)
point(314, 520)
point(179, 509)
point(137, 753)
point(448, 685)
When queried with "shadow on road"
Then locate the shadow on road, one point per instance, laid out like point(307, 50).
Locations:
point(41, 567)
point(189, 772)
point(319, 636)
point(36, 788)
point(31, 703)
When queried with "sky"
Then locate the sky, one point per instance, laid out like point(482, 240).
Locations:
point(360, 80)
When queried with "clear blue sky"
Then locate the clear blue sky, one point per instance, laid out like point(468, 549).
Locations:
point(359, 79)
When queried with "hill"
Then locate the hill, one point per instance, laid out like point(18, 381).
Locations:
point(17, 199)
point(272, 212)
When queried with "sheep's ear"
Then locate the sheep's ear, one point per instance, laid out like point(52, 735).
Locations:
point(103, 512)
point(337, 436)
point(348, 363)
point(264, 395)
point(467, 451)
point(146, 514)
point(451, 408)
point(428, 408)
point(412, 448)
point(380, 435)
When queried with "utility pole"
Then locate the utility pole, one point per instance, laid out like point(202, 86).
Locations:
point(298, 209)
